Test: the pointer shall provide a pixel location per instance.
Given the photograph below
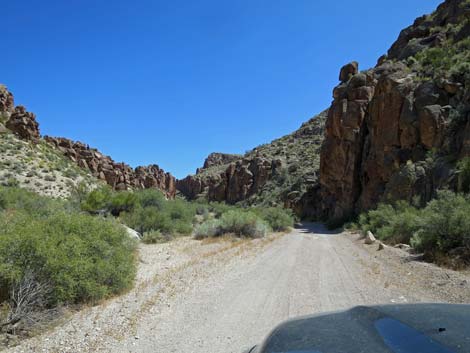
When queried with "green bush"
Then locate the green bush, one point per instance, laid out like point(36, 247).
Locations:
point(175, 217)
point(83, 258)
point(279, 219)
point(150, 198)
point(210, 228)
point(441, 229)
point(123, 201)
point(396, 223)
point(243, 223)
point(13, 198)
point(155, 237)
point(97, 200)
point(445, 225)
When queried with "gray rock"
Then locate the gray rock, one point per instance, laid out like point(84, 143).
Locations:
point(132, 233)
point(370, 238)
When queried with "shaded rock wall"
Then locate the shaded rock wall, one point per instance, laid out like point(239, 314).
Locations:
point(390, 133)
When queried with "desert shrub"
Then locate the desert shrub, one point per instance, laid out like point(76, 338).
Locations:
point(123, 201)
point(13, 198)
point(151, 212)
point(440, 230)
point(150, 198)
point(445, 226)
point(239, 222)
point(210, 228)
point(243, 223)
point(395, 223)
point(219, 208)
point(97, 200)
point(155, 237)
point(12, 182)
point(83, 258)
point(147, 219)
point(279, 219)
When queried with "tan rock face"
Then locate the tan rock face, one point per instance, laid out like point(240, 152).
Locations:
point(119, 176)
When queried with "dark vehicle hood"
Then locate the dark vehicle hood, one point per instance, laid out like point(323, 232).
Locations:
point(416, 328)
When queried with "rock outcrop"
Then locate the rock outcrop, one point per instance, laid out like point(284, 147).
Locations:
point(394, 132)
point(17, 119)
point(6, 102)
point(278, 173)
point(241, 179)
point(216, 158)
point(119, 176)
point(23, 124)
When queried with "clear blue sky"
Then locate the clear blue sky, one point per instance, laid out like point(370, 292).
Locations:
point(168, 82)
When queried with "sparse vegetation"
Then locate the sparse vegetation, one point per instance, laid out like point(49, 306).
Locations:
point(39, 167)
point(441, 230)
point(245, 222)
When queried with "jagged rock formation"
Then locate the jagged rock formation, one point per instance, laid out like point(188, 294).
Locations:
point(275, 173)
point(216, 158)
point(396, 131)
point(23, 124)
point(119, 176)
point(17, 119)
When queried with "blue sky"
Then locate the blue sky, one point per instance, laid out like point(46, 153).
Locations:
point(168, 82)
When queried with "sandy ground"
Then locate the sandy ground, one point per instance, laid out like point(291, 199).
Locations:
point(225, 295)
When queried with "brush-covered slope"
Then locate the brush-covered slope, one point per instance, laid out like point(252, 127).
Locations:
point(54, 166)
point(279, 172)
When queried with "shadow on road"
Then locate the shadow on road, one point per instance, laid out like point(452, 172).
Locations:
point(316, 228)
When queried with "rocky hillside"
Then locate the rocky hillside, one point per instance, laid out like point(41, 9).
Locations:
point(53, 165)
point(398, 130)
point(28, 161)
point(119, 176)
point(276, 173)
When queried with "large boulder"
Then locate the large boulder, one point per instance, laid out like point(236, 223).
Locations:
point(348, 71)
point(23, 124)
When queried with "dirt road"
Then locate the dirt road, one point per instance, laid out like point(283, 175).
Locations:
point(224, 296)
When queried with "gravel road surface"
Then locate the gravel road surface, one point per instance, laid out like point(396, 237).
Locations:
point(225, 296)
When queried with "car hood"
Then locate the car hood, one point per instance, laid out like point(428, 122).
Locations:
point(415, 328)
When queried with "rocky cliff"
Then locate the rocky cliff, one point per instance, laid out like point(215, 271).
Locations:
point(120, 176)
point(396, 131)
point(276, 173)
point(17, 119)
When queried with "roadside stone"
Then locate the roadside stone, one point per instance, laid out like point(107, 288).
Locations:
point(381, 246)
point(370, 238)
point(402, 246)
